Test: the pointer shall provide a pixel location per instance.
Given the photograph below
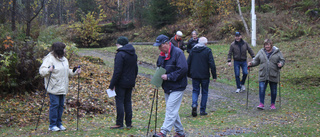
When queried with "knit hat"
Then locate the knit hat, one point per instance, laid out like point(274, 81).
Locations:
point(179, 33)
point(122, 40)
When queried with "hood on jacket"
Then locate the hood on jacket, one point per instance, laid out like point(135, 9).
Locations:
point(128, 49)
point(198, 47)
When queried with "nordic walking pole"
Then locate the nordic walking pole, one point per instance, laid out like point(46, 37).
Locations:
point(154, 94)
point(78, 103)
point(155, 125)
point(248, 86)
point(279, 89)
point(44, 96)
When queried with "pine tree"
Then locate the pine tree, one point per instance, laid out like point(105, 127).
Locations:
point(161, 13)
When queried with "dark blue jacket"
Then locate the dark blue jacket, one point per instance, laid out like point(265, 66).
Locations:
point(176, 70)
point(125, 68)
point(191, 44)
point(200, 60)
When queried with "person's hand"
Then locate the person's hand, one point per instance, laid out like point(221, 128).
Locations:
point(164, 76)
point(78, 70)
point(214, 80)
point(249, 64)
point(229, 64)
point(279, 65)
point(51, 68)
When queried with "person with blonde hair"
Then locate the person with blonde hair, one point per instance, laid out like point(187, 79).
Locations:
point(271, 61)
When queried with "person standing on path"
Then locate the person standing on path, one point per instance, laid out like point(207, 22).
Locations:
point(56, 66)
point(193, 41)
point(271, 61)
point(174, 83)
point(200, 61)
point(238, 49)
point(177, 40)
point(123, 80)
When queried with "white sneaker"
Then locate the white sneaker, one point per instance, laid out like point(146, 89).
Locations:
point(243, 88)
point(62, 128)
point(55, 128)
point(238, 90)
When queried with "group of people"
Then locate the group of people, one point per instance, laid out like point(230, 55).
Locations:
point(198, 66)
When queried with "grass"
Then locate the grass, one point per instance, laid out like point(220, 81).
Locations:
point(298, 116)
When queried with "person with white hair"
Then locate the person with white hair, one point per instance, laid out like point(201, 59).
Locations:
point(193, 41)
point(177, 40)
point(200, 61)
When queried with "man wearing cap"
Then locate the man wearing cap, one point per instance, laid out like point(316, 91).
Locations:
point(123, 80)
point(174, 83)
point(238, 49)
point(200, 61)
point(177, 40)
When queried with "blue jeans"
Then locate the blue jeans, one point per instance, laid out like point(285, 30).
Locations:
point(56, 110)
point(204, 92)
point(243, 65)
point(124, 105)
point(262, 91)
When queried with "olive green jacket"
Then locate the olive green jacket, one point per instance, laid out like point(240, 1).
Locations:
point(268, 69)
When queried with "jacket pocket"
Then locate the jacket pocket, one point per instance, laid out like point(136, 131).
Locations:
point(273, 73)
point(262, 72)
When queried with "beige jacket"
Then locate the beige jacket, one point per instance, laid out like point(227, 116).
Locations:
point(269, 69)
point(59, 80)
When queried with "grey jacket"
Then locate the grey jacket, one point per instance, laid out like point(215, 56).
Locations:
point(239, 54)
point(268, 69)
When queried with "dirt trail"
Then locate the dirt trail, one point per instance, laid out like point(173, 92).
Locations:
point(221, 96)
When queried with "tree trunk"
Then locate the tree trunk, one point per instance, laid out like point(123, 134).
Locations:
point(28, 18)
point(59, 12)
point(244, 22)
point(46, 16)
point(13, 15)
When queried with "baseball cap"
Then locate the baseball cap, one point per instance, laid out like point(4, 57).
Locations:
point(160, 40)
point(237, 33)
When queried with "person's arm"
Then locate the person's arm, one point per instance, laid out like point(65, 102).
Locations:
point(182, 68)
point(45, 67)
point(189, 64)
point(189, 46)
point(281, 60)
point(255, 61)
point(212, 65)
point(250, 51)
point(117, 71)
point(230, 53)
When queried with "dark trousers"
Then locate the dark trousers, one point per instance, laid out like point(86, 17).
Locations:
point(124, 105)
point(262, 91)
point(204, 92)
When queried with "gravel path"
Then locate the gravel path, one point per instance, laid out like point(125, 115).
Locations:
point(218, 93)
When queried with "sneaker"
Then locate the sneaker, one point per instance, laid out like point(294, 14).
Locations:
point(194, 110)
point(179, 135)
point(272, 106)
point(160, 134)
point(203, 113)
point(62, 128)
point(129, 126)
point(261, 106)
point(238, 90)
point(55, 128)
point(243, 88)
point(116, 127)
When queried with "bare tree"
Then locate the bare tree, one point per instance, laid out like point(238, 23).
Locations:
point(13, 15)
point(29, 13)
point(244, 22)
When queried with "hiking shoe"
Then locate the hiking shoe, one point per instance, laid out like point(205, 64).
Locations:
point(243, 88)
point(203, 113)
point(55, 128)
point(272, 106)
point(261, 106)
point(179, 135)
point(238, 90)
point(160, 134)
point(116, 127)
point(62, 128)
point(194, 110)
point(129, 126)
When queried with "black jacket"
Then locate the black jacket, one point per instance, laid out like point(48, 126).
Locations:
point(176, 70)
point(191, 44)
point(199, 61)
point(125, 68)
